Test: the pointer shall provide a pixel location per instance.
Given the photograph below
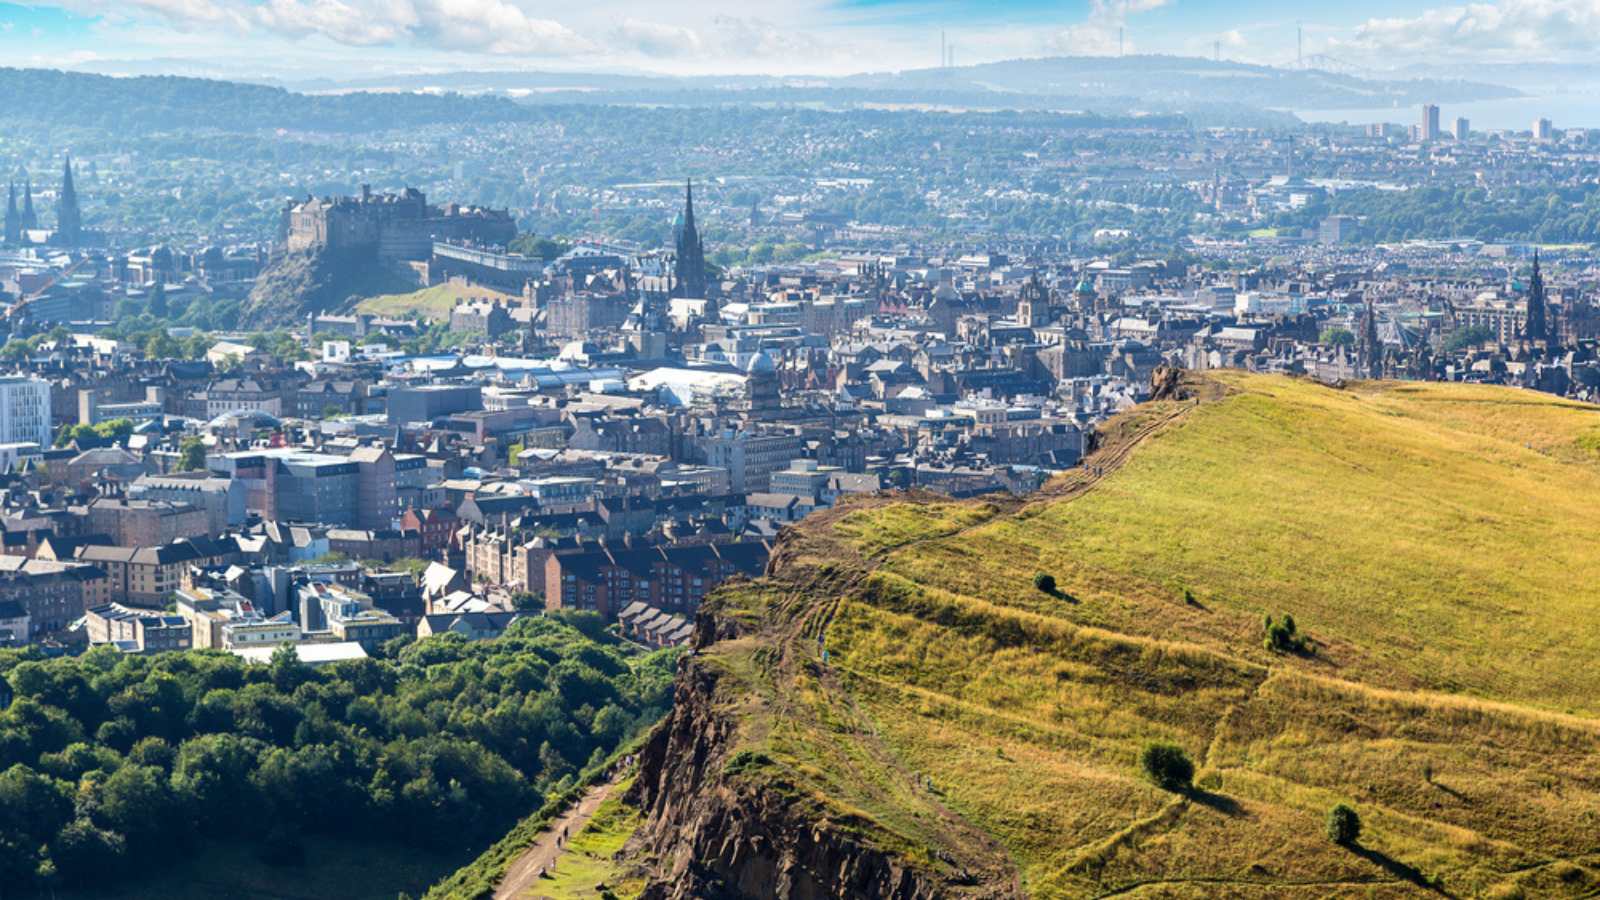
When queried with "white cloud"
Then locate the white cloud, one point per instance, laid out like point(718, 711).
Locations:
point(722, 37)
point(1101, 33)
point(657, 40)
point(1506, 29)
point(761, 39)
point(481, 26)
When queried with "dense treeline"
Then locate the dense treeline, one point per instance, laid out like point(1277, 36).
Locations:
point(443, 742)
point(1546, 215)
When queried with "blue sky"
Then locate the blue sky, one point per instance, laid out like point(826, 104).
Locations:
point(330, 37)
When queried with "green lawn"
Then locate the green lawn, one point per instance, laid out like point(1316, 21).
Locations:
point(433, 304)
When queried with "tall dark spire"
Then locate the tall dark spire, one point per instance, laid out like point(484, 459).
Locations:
point(13, 233)
point(1537, 327)
point(1369, 350)
point(69, 221)
point(689, 262)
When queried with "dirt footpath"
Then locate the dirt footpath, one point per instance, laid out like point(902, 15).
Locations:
point(522, 876)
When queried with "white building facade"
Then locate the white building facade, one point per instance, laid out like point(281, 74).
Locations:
point(24, 410)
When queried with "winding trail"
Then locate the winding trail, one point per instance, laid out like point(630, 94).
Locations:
point(522, 876)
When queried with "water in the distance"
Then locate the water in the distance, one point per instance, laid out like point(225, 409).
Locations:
point(1564, 110)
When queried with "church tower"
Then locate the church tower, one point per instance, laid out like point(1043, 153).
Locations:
point(69, 222)
point(1033, 303)
point(13, 233)
point(689, 263)
point(1369, 351)
point(1537, 328)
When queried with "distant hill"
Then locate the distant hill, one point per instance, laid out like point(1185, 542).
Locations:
point(1184, 80)
point(164, 103)
point(1203, 91)
point(1160, 83)
point(899, 709)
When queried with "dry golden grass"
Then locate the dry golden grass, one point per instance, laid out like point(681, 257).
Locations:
point(1438, 544)
point(1406, 526)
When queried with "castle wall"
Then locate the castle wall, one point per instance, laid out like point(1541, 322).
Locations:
point(392, 226)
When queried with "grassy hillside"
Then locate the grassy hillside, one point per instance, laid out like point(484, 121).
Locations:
point(433, 303)
point(1435, 542)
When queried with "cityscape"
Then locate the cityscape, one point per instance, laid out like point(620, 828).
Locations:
point(1055, 476)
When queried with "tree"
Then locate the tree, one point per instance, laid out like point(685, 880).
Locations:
point(161, 345)
point(212, 776)
point(288, 672)
point(86, 855)
point(1343, 825)
point(191, 455)
point(1471, 336)
point(442, 739)
point(1044, 583)
point(1338, 337)
point(1167, 765)
point(532, 245)
point(32, 805)
point(158, 300)
point(136, 802)
point(114, 431)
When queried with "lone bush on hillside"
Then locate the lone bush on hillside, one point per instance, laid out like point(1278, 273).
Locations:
point(1344, 825)
point(1045, 583)
point(1168, 766)
point(1282, 637)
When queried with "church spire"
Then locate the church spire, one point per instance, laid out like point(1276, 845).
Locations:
point(1369, 351)
point(688, 205)
point(689, 263)
point(1537, 328)
point(69, 221)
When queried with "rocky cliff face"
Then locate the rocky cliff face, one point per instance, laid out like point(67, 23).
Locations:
point(317, 281)
point(711, 833)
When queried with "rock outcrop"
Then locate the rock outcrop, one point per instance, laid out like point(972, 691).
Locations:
point(714, 834)
point(317, 281)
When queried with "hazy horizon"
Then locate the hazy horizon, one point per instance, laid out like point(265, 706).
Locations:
point(245, 38)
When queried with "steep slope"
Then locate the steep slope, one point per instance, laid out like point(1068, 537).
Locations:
point(318, 281)
point(896, 710)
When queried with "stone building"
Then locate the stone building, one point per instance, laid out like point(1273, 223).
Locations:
point(392, 227)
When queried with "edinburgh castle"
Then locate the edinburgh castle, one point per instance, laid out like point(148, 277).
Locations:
point(393, 226)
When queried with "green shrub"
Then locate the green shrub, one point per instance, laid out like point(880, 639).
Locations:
point(1045, 583)
point(746, 761)
point(1344, 825)
point(1282, 637)
point(1167, 765)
